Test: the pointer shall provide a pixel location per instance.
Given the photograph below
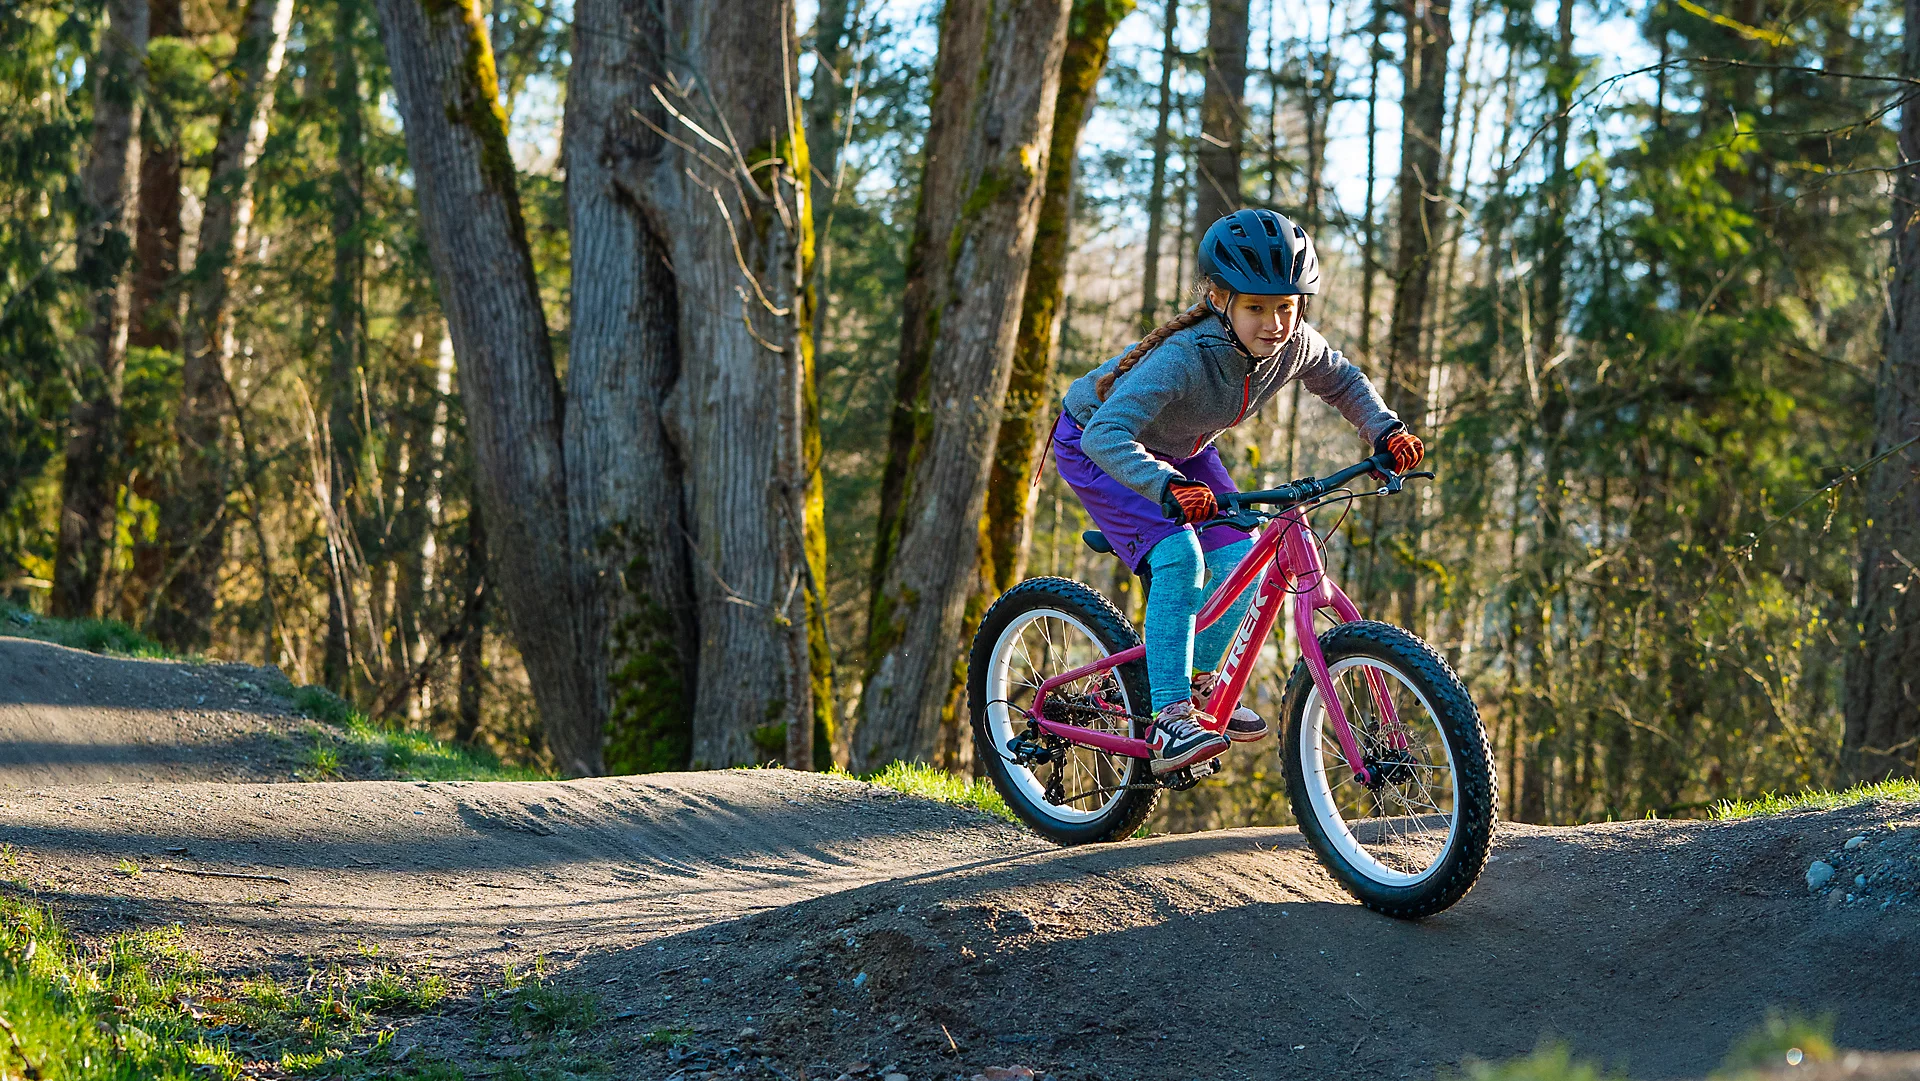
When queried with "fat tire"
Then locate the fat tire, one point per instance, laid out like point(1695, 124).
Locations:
point(1115, 633)
point(1466, 742)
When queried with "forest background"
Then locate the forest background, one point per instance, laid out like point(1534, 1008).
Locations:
point(581, 380)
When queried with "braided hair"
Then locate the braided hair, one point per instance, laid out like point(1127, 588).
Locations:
point(1192, 317)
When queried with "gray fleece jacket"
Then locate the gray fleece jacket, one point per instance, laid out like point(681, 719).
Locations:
point(1181, 396)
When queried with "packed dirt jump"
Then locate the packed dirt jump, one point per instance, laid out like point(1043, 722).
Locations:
point(790, 925)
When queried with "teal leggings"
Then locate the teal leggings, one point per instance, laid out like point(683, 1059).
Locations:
point(1180, 574)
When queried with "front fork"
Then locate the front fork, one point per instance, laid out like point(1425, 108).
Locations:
point(1308, 593)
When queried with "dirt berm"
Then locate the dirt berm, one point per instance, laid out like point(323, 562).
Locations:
point(793, 925)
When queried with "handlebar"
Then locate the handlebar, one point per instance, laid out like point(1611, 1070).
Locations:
point(1309, 488)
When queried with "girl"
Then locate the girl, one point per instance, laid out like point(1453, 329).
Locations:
point(1135, 443)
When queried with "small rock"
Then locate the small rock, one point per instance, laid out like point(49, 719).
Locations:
point(1859, 881)
point(748, 1034)
point(860, 981)
point(507, 1050)
point(1017, 922)
point(1819, 874)
point(1855, 842)
point(1004, 1073)
point(894, 1077)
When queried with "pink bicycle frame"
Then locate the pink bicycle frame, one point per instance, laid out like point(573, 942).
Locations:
point(1289, 553)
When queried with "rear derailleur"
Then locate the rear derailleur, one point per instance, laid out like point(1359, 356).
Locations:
point(1038, 747)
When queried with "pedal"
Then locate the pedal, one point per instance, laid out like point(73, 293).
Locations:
point(1182, 779)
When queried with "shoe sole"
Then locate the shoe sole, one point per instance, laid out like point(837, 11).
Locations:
point(1201, 753)
point(1249, 737)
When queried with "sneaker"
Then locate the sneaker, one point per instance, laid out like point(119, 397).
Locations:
point(1245, 726)
point(1179, 741)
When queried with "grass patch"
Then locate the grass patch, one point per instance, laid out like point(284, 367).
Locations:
point(1783, 1041)
point(1818, 799)
point(917, 780)
point(534, 1006)
point(362, 748)
point(108, 636)
point(143, 1006)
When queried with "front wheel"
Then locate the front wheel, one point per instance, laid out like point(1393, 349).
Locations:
point(1412, 839)
point(1068, 793)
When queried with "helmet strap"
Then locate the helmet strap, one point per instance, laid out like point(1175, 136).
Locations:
point(1226, 324)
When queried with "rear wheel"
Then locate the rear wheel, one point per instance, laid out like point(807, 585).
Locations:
point(1069, 794)
point(1410, 841)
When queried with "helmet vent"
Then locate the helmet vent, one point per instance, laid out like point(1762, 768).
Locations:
point(1268, 222)
point(1253, 260)
point(1299, 233)
point(1299, 263)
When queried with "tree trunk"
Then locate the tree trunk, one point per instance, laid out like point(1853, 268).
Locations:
point(625, 476)
point(456, 135)
point(1423, 103)
point(155, 318)
point(1007, 528)
point(349, 260)
point(963, 26)
point(1369, 238)
point(1023, 426)
point(1223, 111)
point(473, 631)
point(192, 518)
point(738, 225)
point(1157, 194)
point(90, 484)
point(826, 133)
point(1883, 690)
point(1009, 81)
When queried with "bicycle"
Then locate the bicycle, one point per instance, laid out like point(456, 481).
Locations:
point(1387, 765)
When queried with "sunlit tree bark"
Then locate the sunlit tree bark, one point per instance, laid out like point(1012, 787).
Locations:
point(470, 210)
point(989, 145)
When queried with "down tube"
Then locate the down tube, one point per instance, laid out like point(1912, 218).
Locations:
point(1265, 610)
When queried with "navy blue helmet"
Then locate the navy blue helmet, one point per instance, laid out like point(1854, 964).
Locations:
point(1260, 252)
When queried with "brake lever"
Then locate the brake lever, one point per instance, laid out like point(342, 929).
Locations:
point(1399, 480)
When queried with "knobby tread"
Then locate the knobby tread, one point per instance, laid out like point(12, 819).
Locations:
point(1466, 739)
point(1116, 633)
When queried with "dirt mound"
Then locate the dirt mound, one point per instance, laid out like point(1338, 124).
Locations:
point(780, 921)
point(71, 717)
point(1654, 946)
point(473, 875)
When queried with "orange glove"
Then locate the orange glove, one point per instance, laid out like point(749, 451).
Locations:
point(1189, 501)
point(1406, 448)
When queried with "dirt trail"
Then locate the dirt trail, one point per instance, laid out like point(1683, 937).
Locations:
point(71, 717)
point(840, 922)
point(757, 899)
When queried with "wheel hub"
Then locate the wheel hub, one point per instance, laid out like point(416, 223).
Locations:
point(1390, 767)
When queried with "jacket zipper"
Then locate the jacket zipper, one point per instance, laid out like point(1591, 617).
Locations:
point(1246, 395)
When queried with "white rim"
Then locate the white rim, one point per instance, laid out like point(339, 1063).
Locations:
point(1004, 687)
point(1401, 832)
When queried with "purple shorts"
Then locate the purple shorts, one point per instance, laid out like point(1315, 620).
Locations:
point(1132, 523)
